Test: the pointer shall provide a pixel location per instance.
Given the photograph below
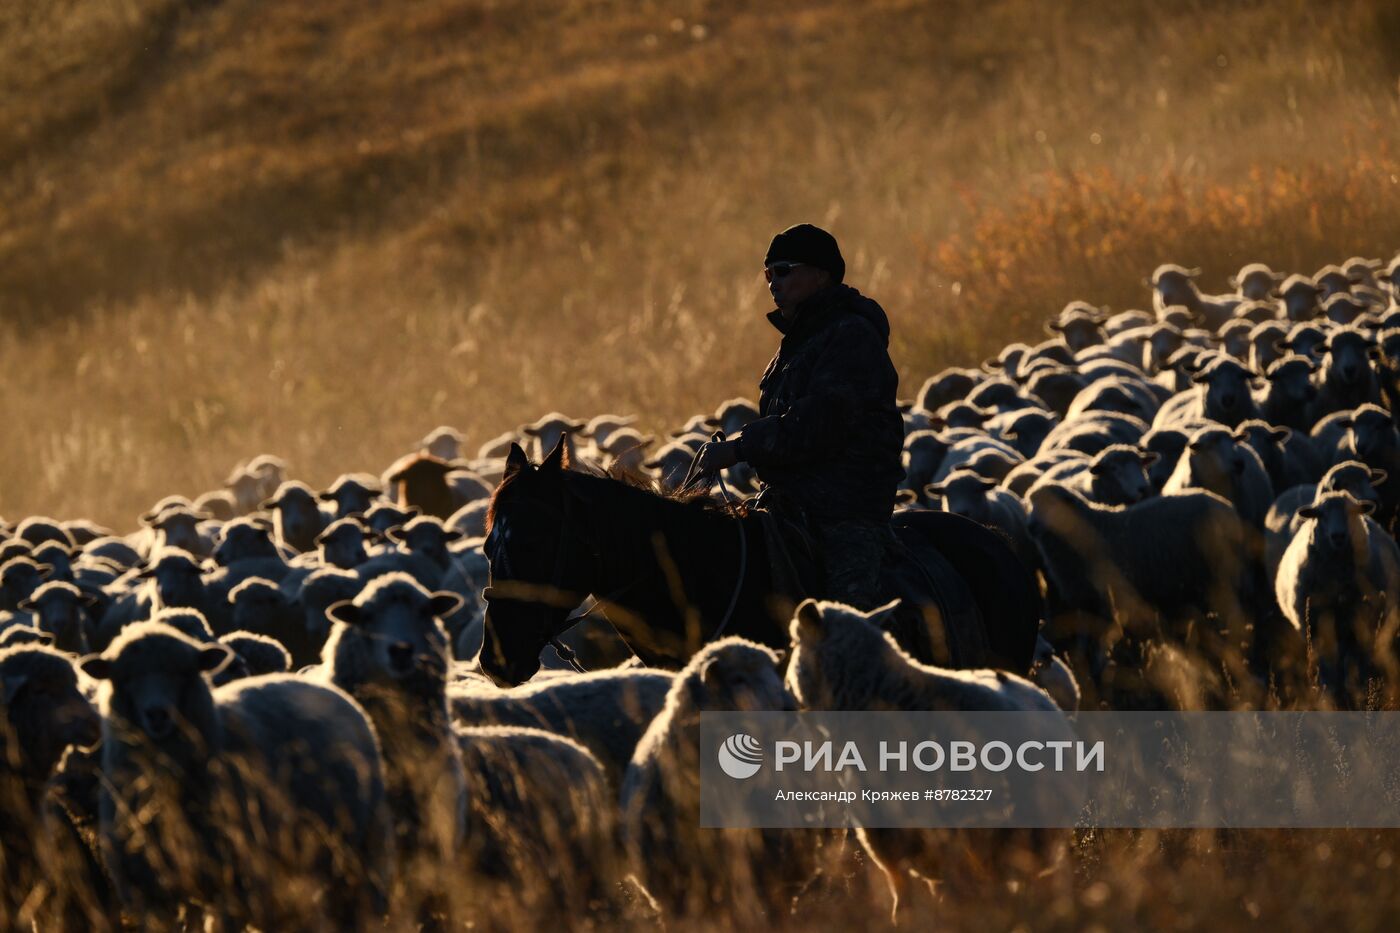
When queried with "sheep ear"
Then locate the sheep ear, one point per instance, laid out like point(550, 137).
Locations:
point(992, 364)
point(1096, 469)
point(394, 533)
point(1053, 327)
point(213, 657)
point(95, 666)
point(1378, 476)
point(809, 615)
point(516, 460)
point(25, 604)
point(1194, 271)
point(884, 616)
point(1365, 507)
point(933, 489)
point(445, 604)
point(345, 612)
point(148, 573)
point(1308, 511)
point(905, 497)
point(452, 534)
point(1149, 457)
point(1282, 435)
point(1346, 424)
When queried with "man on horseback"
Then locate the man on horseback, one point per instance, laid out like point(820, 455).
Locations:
point(828, 440)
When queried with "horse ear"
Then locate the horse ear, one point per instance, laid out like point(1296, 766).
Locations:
point(516, 460)
point(554, 462)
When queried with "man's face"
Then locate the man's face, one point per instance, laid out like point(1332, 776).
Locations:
point(800, 283)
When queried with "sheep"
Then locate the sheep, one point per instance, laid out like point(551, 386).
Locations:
point(688, 871)
point(1056, 387)
point(260, 606)
point(174, 579)
point(1180, 368)
point(83, 531)
point(1126, 396)
point(1348, 381)
point(961, 454)
point(1372, 438)
point(731, 416)
point(966, 493)
point(599, 429)
point(961, 415)
point(1234, 339)
point(1080, 325)
point(389, 650)
point(467, 486)
point(1173, 285)
point(113, 549)
point(1336, 584)
point(1148, 347)
point(385, 515)
point(1168, 444)
point(238, 797)
point(1178, 316)
point(20, 578)
point(42, 712)
point(60, 610)
point(1000, 395)
point(1115, 475)
point(1288, 456)
point(1255, 313)
point(177, 526)
point(1306, 339)
point(218, 504)
point(1282, 523)
point(1361, 271)
point(1216, 461)
point(604, 711)
point(1289, 398)
point(443, 442)
point(1264, 347)
point(549, 430)
point(1256, 281)
point(1020, 480)
point(1146, 566)
point(259, 654)
point(1094, 432)
point(21, 633)
point(499, 445)
point(342, 544)
point(1222, 394)
point(470, 519)
point(1344, 309)
point(670, 463)
point(1025, 430)
point(1331, 280)
point(296, 516)
point(419, 480)
point(352, 494)
point(317, 593)
point(626, 450)
point(1127, 320)
point(37, 530)
point(951, 385)
point(1050, 673)
point(1300, 298)
point(843, 659)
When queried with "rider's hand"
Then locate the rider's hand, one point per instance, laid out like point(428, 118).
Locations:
point(717, 455)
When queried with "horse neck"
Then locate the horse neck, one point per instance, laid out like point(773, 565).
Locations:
point(698, 545)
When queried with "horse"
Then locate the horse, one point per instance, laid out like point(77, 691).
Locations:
point(672, 572)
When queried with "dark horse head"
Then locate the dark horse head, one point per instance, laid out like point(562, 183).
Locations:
point(542, 565)
point(669, 571)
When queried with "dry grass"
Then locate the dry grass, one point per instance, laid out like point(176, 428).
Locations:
point(321, 228)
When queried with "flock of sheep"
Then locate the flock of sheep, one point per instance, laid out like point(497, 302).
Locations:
point(262, 707)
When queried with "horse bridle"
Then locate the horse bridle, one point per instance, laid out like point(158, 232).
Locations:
point(566, 653)
point(555, 586)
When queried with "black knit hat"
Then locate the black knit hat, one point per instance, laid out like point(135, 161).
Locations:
point(809, 244)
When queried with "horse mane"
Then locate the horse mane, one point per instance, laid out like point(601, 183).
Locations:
point(695, 498)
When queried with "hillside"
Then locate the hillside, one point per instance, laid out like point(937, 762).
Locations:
point(320, 229)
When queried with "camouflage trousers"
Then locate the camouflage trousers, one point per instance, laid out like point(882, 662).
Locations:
point(852, 552)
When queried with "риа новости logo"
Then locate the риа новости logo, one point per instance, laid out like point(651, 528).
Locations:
point(740, 756)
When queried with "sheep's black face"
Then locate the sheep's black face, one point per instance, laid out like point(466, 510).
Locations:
point(45, 709)
point(407, 643)
point(1347, 358)
point(1373, 434)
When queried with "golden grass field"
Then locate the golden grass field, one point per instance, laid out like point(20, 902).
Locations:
point(321, 228)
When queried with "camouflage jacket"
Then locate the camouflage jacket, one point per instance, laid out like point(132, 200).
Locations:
point(829, 436)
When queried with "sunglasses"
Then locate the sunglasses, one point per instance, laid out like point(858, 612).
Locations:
point(779, 270)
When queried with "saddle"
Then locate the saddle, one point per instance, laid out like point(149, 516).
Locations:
point(965, 599)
